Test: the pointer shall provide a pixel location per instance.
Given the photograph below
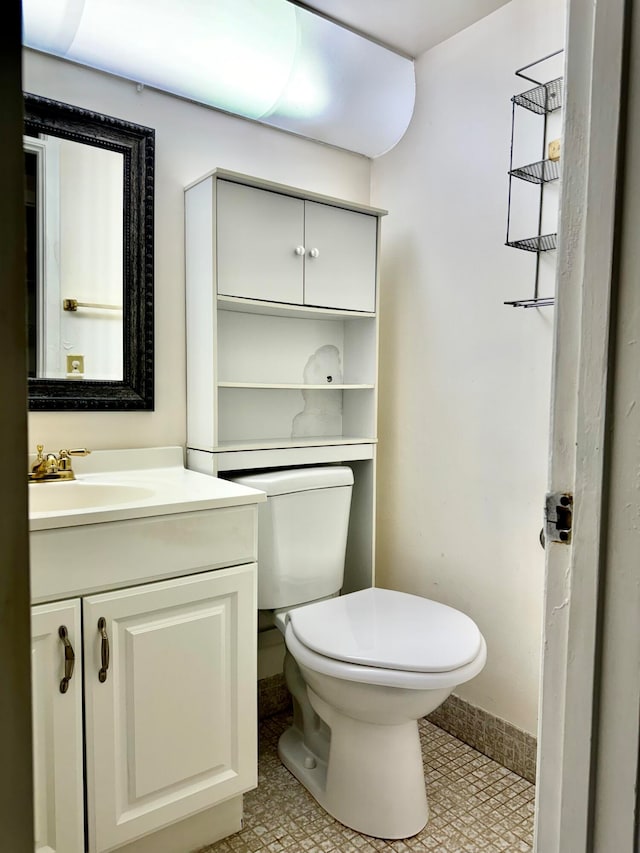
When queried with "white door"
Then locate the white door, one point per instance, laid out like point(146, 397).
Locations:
point(57, 727)
point(588, 740)
point(171, 723)
point(260, 243)
point(340, 266)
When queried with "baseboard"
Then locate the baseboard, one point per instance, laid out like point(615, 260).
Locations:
point(495, 738)
point(193, 833)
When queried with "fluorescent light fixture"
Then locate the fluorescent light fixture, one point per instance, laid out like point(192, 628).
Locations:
point(267, 60)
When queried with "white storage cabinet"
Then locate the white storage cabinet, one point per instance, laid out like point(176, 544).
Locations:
point(282, 336)
point(279, 248)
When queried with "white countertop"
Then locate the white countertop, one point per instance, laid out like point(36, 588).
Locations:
point(159, 483)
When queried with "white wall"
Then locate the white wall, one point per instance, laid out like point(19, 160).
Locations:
point(190, 140)
point(464, 389)
point(464, 393)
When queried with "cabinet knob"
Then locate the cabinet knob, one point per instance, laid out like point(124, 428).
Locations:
point(300, 250)
point(315, 253)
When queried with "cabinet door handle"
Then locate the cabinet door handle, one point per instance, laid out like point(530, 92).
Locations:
point(69, 658)
point(300, 250)
point(315, 253)
point(104, 649)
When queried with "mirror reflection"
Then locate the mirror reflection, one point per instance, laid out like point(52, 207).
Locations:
point(89, 211)
point(74, 214)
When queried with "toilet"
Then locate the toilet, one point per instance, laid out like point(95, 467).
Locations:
point(363, 667)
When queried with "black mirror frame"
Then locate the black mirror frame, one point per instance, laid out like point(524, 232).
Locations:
point(137, 145)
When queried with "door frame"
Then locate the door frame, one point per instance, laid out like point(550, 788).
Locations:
point(582, 439)
point(16, 811)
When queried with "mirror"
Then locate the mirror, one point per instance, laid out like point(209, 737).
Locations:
point(89, 218)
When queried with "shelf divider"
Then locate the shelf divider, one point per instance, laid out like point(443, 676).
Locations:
point(288, 442)
point(295, 386)
point(280, 309)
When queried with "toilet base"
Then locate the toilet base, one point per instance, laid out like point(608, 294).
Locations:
point(308, 769)
point(373, 781)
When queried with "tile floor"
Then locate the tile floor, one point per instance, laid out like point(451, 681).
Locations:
point(475, 805)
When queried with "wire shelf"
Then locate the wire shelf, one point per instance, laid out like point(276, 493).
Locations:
point(542, 99)
point(536, 302)
point(538, 173)
point(541, 243)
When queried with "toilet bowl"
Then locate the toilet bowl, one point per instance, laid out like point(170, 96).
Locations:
point(370, 664)
point(363, 667)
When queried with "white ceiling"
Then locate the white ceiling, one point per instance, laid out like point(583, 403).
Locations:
point(410, 26)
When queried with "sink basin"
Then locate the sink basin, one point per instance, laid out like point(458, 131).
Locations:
point(122, 485)
point(60, 497)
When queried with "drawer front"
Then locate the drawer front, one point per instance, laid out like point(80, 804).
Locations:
point(80, 560)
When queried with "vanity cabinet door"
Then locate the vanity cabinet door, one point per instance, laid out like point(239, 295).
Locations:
point(57, 728)
point(260, 243)
point(171, 724)
point(340, 260)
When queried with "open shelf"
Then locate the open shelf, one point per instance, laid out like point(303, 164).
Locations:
point(255, 414)
point(541, 243)
point(296, 353)
point(542, 99)
point(288, 380)
point(541, 172)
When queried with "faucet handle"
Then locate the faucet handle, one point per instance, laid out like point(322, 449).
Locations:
point(39, 460)
point(65, 458)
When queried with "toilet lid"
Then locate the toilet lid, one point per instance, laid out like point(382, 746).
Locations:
point(388, 629)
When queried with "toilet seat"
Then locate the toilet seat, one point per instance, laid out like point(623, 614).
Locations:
point(388, 629)
point(380, 676)
point(384, 637)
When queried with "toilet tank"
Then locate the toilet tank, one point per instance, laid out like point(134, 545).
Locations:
point(302, 533)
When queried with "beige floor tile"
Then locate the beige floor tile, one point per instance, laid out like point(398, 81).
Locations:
point(476, 806)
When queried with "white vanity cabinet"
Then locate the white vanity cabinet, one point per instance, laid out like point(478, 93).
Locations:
point(282, 337)
point(57, 728)
point(169, 697)
point(278, 248)
point(152, 741)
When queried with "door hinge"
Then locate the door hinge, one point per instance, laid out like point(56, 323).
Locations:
point(558, 517)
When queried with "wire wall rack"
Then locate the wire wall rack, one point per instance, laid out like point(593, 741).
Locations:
point(543, 99)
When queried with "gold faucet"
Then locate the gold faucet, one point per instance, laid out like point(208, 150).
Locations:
point(49, 466)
